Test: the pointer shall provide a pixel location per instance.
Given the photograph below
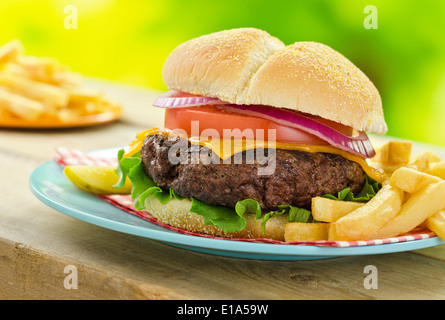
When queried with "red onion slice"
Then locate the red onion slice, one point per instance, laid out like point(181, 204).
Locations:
point(179, 99)
point(360, 145)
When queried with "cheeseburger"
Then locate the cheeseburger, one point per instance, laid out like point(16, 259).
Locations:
point(254, 129)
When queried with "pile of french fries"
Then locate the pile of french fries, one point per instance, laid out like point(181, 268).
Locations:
point(37, 88)
point(412, 196)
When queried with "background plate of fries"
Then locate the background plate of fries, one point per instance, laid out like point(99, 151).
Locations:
point(413, 188)
point(40, 92)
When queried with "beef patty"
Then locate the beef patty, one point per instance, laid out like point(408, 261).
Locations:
point(298, 176)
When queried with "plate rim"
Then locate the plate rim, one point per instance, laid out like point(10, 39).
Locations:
point(242, 248)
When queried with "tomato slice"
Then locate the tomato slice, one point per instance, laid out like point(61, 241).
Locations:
point(209, 117)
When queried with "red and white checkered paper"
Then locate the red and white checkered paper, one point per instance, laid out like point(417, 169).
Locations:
point(65, 157)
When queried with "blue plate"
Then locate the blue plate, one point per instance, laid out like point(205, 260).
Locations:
point(49, 184)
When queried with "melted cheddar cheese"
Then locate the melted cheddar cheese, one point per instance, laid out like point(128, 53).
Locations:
point(227, 148)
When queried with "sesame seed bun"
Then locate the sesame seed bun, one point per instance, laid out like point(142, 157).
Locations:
point(249, 66)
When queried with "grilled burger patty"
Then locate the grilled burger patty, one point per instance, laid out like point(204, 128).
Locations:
point(298, 176)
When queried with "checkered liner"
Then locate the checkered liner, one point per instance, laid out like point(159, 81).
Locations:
point(65, 157)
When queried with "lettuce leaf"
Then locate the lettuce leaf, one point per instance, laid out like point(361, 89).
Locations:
point(295, 214)
point(370, 189)
point(248, 205)
point(132, 168)
point(143, 186)
point(230, 220)
point(225, 218)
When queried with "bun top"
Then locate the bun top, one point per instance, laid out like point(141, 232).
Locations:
point(249, 66)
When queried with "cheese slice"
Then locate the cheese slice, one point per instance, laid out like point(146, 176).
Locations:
point(227, 148)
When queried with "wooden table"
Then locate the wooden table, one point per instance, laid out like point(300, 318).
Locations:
point(37, 243)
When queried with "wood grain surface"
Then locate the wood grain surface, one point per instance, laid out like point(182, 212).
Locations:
point(37, 242)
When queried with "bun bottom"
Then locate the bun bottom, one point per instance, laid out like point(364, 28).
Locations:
point(177, 213)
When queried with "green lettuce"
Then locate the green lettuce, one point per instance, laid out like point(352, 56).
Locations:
point(225, 218)
point(370, 189)
point(295, 214)
point(228, 219)
point(142, 185)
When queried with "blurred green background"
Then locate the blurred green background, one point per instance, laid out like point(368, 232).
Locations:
point(128, 40)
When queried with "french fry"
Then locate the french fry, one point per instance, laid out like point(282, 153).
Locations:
point(410, 180)
point(67, 115)
point(332, 232)
point(83, 95)
point(20, 106)
point(364, 222)
point(46, 93)
point(394, 153)
point(436, 223)
point(299, 231)
point(419, 207)
point(329, 210)
point(437, 169)
point(10, 51)
point(423, 160)
point(390, 169)
point(48, 70)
